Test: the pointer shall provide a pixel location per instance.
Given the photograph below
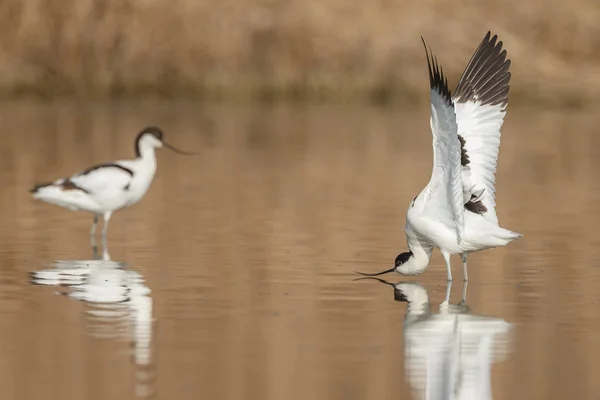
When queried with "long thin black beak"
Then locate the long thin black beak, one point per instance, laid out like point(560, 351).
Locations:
point(379, 273)
point(176, 150)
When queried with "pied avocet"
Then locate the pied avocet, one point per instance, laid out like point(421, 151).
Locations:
point(105, 188)
point(456, 210)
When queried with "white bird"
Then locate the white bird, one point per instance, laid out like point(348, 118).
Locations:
point(105, 188)
point(456, 210)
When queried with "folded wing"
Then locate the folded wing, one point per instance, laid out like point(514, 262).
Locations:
point(97, 187)
point(104, 181)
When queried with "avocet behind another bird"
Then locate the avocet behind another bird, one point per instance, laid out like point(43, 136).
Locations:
point(105, 188)
point(456, 210)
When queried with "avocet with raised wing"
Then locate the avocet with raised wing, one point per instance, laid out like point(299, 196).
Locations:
point(105, 188)
point(456, 210)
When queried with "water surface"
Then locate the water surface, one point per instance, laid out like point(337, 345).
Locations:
point(233, 278)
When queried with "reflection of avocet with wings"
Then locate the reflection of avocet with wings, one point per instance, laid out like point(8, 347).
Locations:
point(120, 306)
point(448, 355)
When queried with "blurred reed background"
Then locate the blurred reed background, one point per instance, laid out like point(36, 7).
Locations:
point(249, 249)
point(273, 49)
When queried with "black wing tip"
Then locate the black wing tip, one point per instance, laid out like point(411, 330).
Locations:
point(437, 80)
point(486, 77)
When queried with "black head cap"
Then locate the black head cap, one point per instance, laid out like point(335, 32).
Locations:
point(154, 131)
point(402, 258)
point(151, 130)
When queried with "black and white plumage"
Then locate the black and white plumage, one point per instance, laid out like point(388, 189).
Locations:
point(105, 188)
point(456, 211)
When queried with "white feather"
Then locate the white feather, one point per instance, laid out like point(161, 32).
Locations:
point(445, 191)
point(480, 126)
point(106, 188)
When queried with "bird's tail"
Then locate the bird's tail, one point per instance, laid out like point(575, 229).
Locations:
point(492, 235)
point(58, 193)
point(37, 188)
point(506, 236)
point(46, 192)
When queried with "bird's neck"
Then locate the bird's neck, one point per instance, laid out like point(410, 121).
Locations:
point(147, 155)
point(147, 166)
point(419, 260)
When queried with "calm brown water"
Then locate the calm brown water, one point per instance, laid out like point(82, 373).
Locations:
point(249, 252)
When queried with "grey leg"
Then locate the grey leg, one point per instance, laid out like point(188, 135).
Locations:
point(93, 236)
point(94, 250)
point(464, 258)
point(447, 259)
point(107, 216)
point(448, 289)
point(94, 225)
point(105, 255)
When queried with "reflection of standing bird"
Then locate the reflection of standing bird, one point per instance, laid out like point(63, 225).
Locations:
point(448, 355)
point(119, 304)
point(456, 210)
point(105, 188)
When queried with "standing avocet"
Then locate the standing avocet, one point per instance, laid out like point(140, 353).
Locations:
point(456, 210)
point(105, 188)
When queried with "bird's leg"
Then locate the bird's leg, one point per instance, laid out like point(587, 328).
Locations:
point(464, 294)
point(107, 216)
point(446, 303)
point(464, 259)
point(94, 250)
point(93, 236)
point(94, 225)
point(105, 255)
point(448, 289)
point(447, 259)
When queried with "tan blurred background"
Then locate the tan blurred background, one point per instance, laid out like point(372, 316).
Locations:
point(298, 49)
point(249, 249)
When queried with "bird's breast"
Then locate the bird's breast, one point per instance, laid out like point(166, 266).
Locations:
point(430, 230)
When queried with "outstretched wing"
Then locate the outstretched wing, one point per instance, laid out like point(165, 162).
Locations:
point(445, 190)
point(480, 102)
